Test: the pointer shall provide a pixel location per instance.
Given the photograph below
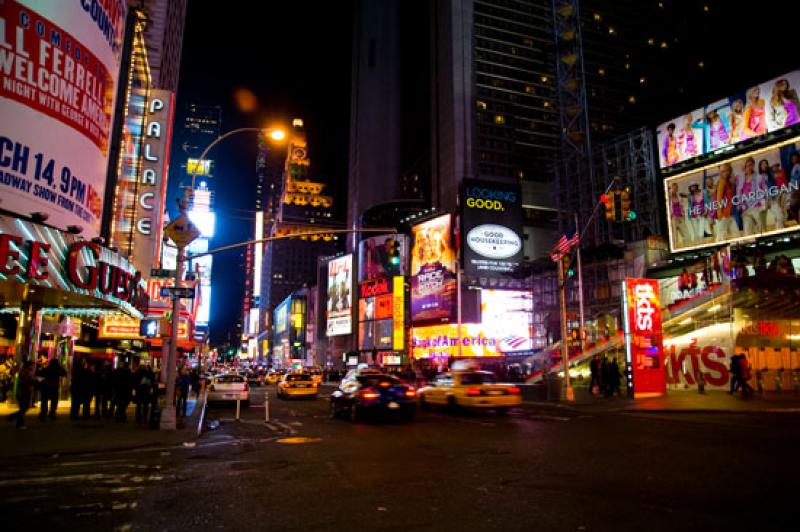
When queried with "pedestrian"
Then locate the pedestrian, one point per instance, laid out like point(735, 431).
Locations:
point(121, 386)
point(50, 382)
point(735, 375)
point(594, 370)
point(143, 380)
point(89, 386)
point(77, 386)
point(25, 385)
point(6, 379)
point(182, 391)
point(195, 379)
point(604, 377)
point(614, 378)
point(744, 375)
point(102, 391)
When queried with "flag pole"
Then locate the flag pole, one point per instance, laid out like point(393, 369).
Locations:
point(582, 331)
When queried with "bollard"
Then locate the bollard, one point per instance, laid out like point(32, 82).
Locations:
point(238, 407)
point(266, 407)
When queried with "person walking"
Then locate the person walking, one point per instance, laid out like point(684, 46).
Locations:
point(121, 386)
point(594, 370)
point(102, 391)
point(614, 378)
point(195, 377)
point(25, 385)
point(89, 388)
point(744, 375)
point(604, 377)
point(182, 391)
point(143, 380)
point(77, 387)
point(50, 382)
point(735, 375)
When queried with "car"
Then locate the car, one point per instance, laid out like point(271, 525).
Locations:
point(273, 377)
point(472, 389)
point(229, 387)
point(315, 374)
point(253, 378)
point(297, 385)
point(368, 393)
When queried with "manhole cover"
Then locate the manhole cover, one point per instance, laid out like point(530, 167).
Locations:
point(299, 439)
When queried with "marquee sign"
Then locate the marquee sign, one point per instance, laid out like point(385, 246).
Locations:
point(42, 256)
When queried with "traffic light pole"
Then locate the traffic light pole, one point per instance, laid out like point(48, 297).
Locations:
point(567, 393)
point(582, 331)
point(168, 414)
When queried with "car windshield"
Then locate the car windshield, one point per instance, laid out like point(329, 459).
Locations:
point(229, 378)
point(376, 380)
point(479, 377)
point(298, 377)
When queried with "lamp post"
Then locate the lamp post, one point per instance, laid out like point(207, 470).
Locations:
point(168, 417)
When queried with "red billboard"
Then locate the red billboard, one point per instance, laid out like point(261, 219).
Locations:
point(643, 337)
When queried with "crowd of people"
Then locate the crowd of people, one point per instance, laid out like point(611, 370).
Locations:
point(95, 389)
point(606, 376)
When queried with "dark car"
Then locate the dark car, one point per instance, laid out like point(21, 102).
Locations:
point(372, 394)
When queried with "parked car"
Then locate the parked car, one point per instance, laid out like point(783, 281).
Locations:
point(470, 389)
point(297, 384)
point(367, 393)
point(229, 387)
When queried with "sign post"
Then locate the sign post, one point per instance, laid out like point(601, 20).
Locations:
point(181, 231)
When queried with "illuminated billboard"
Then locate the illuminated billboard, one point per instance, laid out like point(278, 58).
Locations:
point(375, 258)
point(491, 227)
point(443, 341)
point(506, 315)
point(433, 272)
point(340, 296)
point(198, 168)
point(643, 337)
point(58, 110)
point(765, 108)
point(751, 195)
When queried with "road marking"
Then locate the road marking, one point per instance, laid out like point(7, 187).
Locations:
point(298, 440)
point(462, 420)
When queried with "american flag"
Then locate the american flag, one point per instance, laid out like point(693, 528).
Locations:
point(564, 244)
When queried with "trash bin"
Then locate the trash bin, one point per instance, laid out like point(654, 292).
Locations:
point(553, 387)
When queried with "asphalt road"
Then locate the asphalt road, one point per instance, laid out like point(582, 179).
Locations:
point(539, 468)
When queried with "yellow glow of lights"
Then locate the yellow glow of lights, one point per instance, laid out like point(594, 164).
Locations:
point(714, 308)
point(685, 322)
point(793, 336)
point(276, 134)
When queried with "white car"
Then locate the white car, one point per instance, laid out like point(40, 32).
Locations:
point(229, 387)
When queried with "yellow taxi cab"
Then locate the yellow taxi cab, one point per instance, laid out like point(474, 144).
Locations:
point(273, 377)
point(316, 375)
point(470, 388)
point(297, 385)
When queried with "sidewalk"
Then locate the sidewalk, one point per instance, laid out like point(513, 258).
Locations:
point(66, 436)
point(684, 401)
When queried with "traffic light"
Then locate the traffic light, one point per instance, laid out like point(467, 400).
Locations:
point(568, 271)
point(627, 214)
point(394, 252)
point(608, 201)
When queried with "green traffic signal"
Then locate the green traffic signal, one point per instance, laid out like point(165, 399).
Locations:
point(395, 260)
point(570, 273)
point(631, 215)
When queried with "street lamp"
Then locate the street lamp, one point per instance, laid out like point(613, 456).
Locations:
point(168, 415)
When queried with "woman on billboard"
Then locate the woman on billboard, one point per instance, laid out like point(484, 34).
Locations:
point(755, 123)
point(737, 121)
point(669, 151)
point(709, 196)
point(775, 203)
point(749, 187)
point(697, 212)
point(715, 130)
point(783, 105)
point(681, 229)
point(725, 224)
point(685, 140)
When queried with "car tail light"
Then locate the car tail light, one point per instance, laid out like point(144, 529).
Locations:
point(410, 392)
point(211, 388)
point(473, 391)
point(385, 384)
point(246, 387)
point(513, 389)
point(369, 394)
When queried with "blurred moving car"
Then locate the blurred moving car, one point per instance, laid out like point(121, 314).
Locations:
point(316, 375)
point(470, 389)
point(365, 393)
point(297, 384)
point(273, 377)
point(229, 387)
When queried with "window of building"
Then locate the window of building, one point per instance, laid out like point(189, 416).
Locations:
point(481, 104)
point(499, 119)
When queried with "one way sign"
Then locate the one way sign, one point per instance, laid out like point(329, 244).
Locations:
point(182, 231)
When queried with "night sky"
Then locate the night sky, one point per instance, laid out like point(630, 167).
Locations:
point(295, 58)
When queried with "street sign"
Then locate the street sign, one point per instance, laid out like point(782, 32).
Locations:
point(179, 292)
point(182, 231)
point(161, 272)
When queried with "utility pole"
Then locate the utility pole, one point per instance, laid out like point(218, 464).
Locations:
point(168, 415)
point(580, 290)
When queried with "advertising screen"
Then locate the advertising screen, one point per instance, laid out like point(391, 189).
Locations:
point(765, 108)
point(442, 341)
point(198, 168)
point(433, 272)
point(282, 316)
point(491, 227)
point(743, 197)
point(375, 259)
point(340, 296)
point(506, 315)
point(57, 106)
point(643, 336)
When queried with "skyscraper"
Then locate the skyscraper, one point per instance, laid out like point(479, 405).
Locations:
point(164, 38)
